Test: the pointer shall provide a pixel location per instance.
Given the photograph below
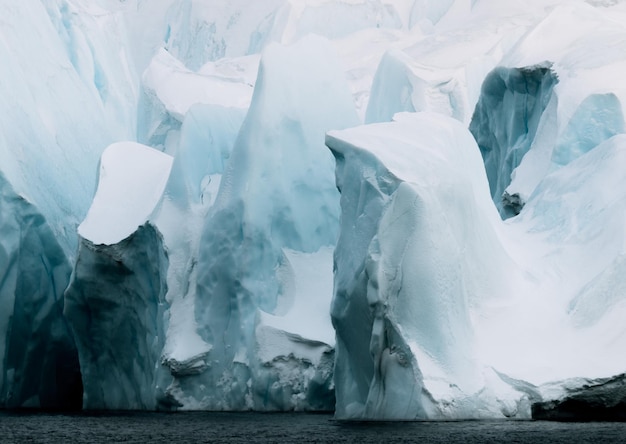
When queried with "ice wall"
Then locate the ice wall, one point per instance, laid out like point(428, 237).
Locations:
point(170, 90)
point(414, 204)
point(197, 33)
point(115, 305)
point(505, 122)
point(277, 193)
point(402, 84)
point(38, 359)
point(67, 93)
point(587, 104)
point(249, 280)
point(443, 311)
point(115, 301)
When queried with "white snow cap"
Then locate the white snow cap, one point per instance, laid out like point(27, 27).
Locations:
point(131, 182)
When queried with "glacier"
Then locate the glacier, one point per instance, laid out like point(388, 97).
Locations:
point(177, 236)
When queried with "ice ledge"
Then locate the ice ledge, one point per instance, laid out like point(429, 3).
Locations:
point(132, 179)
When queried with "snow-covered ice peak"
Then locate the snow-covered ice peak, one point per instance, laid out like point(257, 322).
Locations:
point(132, 178)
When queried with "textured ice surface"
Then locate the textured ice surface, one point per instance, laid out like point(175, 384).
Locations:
point(115, 301)
point(425, 244)
point(67, 93)
point(169, 90)
point(586, 106)
point(277, 192)
point(38, 358)
point(179, 76)
point(404, 281)
point(505, 123)
point(115, 304)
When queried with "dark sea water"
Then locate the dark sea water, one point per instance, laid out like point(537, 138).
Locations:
point(285, 428)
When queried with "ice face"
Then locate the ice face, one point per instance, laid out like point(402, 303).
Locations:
point(67, 94)
point(169, 90)
point(505, 123)
point(433, 289)
point(115, 301)
point(277, 193)
point(586, 106)
point(207, 137)
point(115, 305)
point(402, 85)
point(38, 358)
point(403, 293)
point(431, 268)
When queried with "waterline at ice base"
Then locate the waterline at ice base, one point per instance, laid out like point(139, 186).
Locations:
point(388, 209)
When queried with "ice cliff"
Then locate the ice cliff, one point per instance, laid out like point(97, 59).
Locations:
point(173, 236)
point(422, 319)
point(277, 206)
point(415, 205)
point(115, 301)
point(38, 359)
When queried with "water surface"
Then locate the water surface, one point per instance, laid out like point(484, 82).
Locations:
point(284, 428)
